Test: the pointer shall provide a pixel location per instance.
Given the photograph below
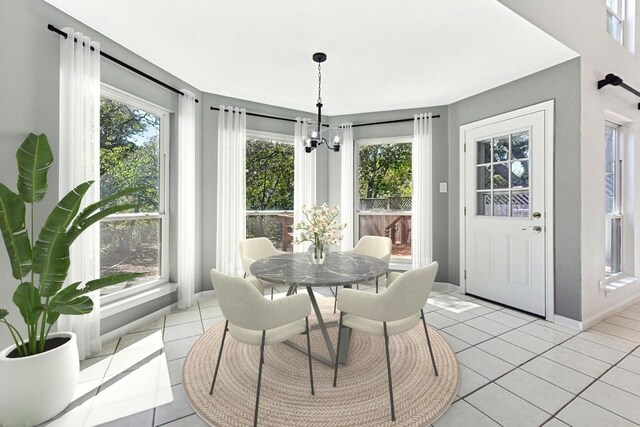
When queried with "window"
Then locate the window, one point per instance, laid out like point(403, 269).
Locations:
point(615, 19)
point(134, 139)
point(269, 188)
point(613, 199)
point(384, 192)
point(503, 175)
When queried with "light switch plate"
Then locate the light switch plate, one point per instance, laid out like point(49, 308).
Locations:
point(443, 187)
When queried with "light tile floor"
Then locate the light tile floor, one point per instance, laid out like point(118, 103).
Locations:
point(516, 369)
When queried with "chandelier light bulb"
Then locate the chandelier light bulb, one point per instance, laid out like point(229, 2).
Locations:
point(314, 134)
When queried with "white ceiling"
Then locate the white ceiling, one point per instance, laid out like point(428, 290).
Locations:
point(382, 55)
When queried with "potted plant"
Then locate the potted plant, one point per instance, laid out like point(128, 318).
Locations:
point(40, 370)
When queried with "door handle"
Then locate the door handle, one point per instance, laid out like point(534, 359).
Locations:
point(535, 228)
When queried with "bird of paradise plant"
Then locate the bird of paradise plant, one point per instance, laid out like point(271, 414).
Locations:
point(42, 299)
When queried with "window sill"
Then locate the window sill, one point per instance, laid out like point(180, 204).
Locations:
point(617, 282)
point(115, 307)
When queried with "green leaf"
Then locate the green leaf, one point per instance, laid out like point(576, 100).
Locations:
point(3, 313)
point(94, 285)
point(86, 212)
point(14, 232)
point(27, 299)
point(79, 226)
point(58, 220)
point(81, 305)
point(52, 317)
point(34, 159)
point(68, 293)
point(53, 264)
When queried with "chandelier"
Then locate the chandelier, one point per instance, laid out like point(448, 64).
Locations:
point(315, 135)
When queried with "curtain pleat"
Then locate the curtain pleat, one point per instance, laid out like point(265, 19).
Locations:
point(78, 158)
point(421, 219)
point(231, 219)
point(186, 199)
point(347, 184)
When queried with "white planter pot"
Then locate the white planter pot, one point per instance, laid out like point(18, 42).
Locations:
point(37, 388)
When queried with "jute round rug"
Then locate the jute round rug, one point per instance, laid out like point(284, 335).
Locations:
point(361, 397)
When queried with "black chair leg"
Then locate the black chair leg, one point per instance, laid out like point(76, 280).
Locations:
point(335, 372)
point(335, 301)
point(272, 293)
point(306, 319)
point(215, 373)
point(255, 416)
point(386, 347)
point(426, 332)
point(376, 285)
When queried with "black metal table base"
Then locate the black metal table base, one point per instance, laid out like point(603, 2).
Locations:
point(345, 337)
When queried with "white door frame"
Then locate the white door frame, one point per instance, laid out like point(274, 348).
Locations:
point(548, 108)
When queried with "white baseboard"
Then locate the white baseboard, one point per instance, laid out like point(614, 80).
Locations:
point(136, 324)
point(570, 323)
point(599, 317)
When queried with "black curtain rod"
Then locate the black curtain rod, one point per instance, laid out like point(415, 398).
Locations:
point(613, 80)
point(284, 119)
point(390, 121)
point(122, 64)
point(355, 126)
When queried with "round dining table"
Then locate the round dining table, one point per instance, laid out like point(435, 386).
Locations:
point(339, 269)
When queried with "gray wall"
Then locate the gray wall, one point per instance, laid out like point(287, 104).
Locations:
point(439, 166)
point(210, 159)
point(29, 95)
point(29, 103)
point(562, 84)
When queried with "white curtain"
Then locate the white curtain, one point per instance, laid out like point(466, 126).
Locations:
point(231, 220)
point(78, 161)
point(304, 181)
point(186, 199)
point(347, 184)
point(421, 164)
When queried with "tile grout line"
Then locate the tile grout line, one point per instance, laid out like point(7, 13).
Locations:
point(589, 385)
point(506, 373)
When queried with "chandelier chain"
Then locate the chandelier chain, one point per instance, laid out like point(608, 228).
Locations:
point(319, 83)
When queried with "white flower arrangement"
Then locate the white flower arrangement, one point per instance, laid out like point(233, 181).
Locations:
point(321, 227)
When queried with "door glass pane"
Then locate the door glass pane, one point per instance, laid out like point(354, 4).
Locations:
point(501, 175)
point(501, 204)
point(484, 177)
point(484, 151)
point(484, 204)
point(130, 246)
point(520, 204)
point(520, 145)
point(501, 149)
point(519, 174)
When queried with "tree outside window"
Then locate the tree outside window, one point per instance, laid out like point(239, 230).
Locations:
point(269, 190)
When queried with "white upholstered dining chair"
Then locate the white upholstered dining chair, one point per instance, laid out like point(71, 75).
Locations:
point(254, 320)
point(375, 246)
point(392, 312)
point(254, 249)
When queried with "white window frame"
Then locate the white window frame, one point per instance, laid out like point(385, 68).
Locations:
point(118, 95)
point(287, 139)
point(619, 201)
point(395, 263)
point(620, 16)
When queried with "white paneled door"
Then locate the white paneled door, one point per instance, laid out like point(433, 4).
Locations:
point(504, 211)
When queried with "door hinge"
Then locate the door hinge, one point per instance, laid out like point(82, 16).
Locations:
point(465, 275)
point(465, 210)
point(465, 147)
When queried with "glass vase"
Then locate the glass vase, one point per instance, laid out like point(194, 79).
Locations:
point(317, 254)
